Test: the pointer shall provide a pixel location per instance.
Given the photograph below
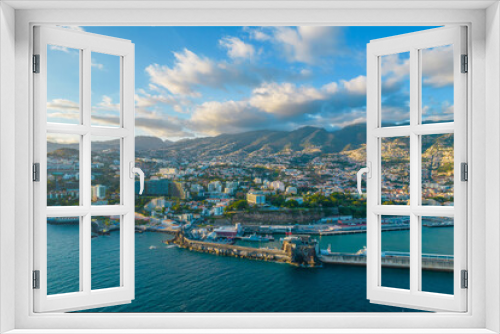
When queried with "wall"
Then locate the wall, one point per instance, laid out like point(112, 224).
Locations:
point(492, 162)
point(7, 159)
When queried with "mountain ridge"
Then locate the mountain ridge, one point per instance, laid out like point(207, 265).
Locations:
point(307, 139)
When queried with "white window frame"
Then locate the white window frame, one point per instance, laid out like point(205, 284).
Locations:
point(484, 103)
point(413, 43)
point(86, 43)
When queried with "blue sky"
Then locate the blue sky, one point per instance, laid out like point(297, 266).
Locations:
point(204, 81)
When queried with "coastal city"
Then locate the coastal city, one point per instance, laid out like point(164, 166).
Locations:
point(226, 196)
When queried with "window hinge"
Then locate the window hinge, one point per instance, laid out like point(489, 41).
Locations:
point(36, 279)
point(36, 63)
point(465, 64)
point(464, 171)
point(36, 172)
point(465, 279)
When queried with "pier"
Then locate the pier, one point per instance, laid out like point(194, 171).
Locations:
point(391, 260)
point(299, 251)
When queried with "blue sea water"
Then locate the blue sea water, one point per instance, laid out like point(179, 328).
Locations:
point(169, 279)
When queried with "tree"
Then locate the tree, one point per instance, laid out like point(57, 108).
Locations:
point(292, 204)
point(237, 206)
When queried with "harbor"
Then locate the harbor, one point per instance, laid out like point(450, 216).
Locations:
point(292, 244)
point(299, 250)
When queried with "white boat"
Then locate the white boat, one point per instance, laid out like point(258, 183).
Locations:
point(255, 238)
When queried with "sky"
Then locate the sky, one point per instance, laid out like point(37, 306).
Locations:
point(205, 81)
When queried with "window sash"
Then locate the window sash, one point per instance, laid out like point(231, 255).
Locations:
point(86, 297)
point(412, 43)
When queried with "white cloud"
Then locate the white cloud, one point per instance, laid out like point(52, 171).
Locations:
point(284, 99)
point(187, 73)
point(257, 33)
point(96, 65)
point(356, 85)
point(106, 112)
point(437, 66)
point(306, 44)
point(146, 104)
point(105, 119)
point(283, 106)
point(237, 49)
point(63, 109)
point(213, 118)
point(59, 48)
point(62, 138)
point(395, 70)
point(76, 28)
point(191, 72)
point(438, 112)
point(107, 104)
point(165, 127)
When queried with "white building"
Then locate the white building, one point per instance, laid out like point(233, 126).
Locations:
point(169, 171)
point(256, 199)
point(232, 184)
point(277, 185)
point(215, 187)
point(217, 211)
point(157, 204)
point(98, 192)
point(291, 190)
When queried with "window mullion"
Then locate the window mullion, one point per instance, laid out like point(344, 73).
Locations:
point(414, 172)
point(85, 250)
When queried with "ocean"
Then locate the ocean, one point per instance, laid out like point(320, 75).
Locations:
point(169, 279)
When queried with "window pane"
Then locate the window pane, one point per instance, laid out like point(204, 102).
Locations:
point(63, 85)
point(437, 169)
point(395, 251)
point(395, 90)
point(395, 171)
point(105, 90)
point(437, 84)
point(63, 255)
point(105, 171)
point(63, 169)
point(105, 252)
point(437, 254)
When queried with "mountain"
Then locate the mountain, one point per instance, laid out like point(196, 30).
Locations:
point(142, 143)
point(306, 139)
point(145, 143)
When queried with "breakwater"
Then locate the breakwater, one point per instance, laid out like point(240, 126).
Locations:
point(430, 262)
point(299, 251)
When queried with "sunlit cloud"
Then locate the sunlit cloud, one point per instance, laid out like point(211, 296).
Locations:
point(437, 66)
point(442, 112)
point(62, 138)
point(164, 127)
point(283, 106)
point(237, 49)
point(187, 73)
point(306, 44)
point(63, 109)
point(191, 72)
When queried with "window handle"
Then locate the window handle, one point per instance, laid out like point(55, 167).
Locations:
point(368, 171)
point(136, 170)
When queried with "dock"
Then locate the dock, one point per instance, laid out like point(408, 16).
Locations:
point(298, 251)
point(391, 260)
